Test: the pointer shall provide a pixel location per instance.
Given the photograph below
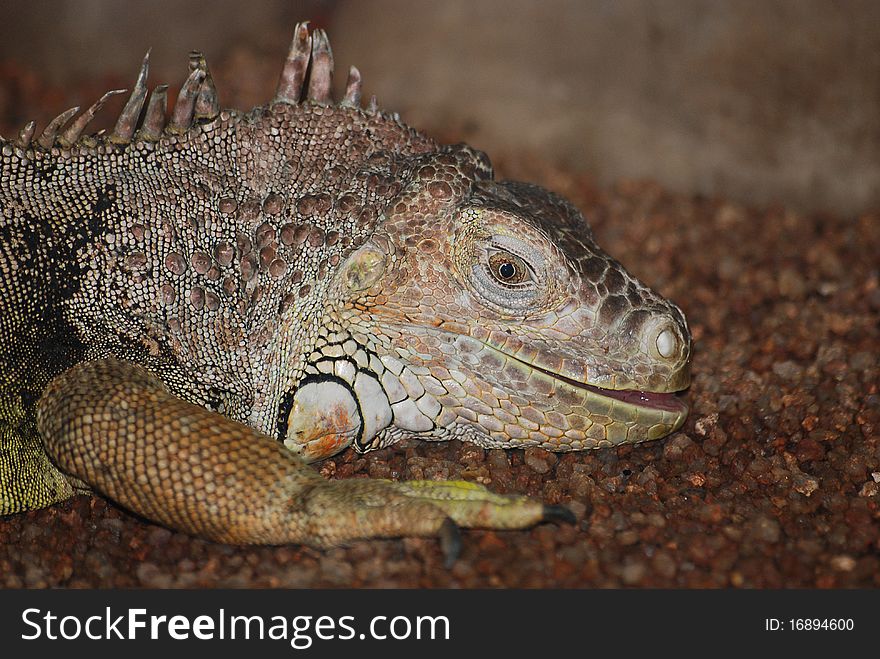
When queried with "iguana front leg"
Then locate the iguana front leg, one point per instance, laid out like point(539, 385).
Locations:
point(114, 425)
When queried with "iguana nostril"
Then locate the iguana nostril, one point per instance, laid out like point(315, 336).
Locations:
point(655, 331)
point(666, 343)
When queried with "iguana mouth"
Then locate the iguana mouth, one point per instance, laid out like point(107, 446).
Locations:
point(667, 401)
point(653, 400)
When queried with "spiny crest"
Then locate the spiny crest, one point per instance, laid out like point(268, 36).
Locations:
point(307, 77)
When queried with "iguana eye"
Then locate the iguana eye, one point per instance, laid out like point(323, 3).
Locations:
point(505, 273)
point(508, 269)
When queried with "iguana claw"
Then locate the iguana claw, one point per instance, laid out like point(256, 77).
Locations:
point(558, 514)
point(450, 542)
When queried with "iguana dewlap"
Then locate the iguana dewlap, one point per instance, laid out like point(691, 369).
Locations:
point(195, 306)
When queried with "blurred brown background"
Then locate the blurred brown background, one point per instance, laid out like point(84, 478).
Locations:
point(757, 101)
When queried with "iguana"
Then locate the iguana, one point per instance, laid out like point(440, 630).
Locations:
point(196, 306)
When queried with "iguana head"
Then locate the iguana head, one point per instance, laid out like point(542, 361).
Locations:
point(484, 310)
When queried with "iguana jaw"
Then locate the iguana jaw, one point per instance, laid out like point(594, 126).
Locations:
point(668, 401)
point(540, 406)
point(632, 415)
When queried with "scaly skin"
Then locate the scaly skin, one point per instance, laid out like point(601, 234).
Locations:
point(186, 297)
point(222, 480)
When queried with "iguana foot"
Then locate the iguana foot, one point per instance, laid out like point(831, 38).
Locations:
point(343, 510)
point(115, 426)
point(363, 508)
point(473, 506)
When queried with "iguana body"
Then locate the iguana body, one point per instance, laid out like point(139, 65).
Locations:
point(187, 299)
